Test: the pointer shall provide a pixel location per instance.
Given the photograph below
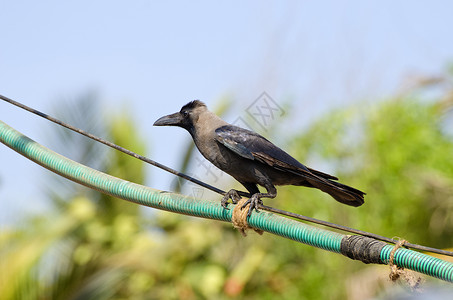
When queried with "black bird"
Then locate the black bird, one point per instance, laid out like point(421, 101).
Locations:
point(251, 159)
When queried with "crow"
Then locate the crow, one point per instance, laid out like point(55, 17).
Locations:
point(252, 159)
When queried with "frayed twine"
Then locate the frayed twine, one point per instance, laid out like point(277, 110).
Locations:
point(397, 272)
point(239, 218)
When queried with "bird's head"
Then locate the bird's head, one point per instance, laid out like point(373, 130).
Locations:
point(185, 118)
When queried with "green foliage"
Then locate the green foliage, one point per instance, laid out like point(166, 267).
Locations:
point(123, 132)
point(396, 151)
point(87, 247)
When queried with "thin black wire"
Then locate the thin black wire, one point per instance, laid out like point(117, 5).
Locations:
point(217, 190)
point(356, 231)
point(114, 146)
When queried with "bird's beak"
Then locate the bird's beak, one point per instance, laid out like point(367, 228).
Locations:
point(170, 120)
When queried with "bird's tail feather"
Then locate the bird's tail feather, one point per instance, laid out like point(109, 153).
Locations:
point(340, 192)
point(326, 183)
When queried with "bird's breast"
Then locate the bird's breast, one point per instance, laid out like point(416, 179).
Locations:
point(218, 154)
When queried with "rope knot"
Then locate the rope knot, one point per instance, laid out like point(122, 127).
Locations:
point(396, 272)
point(239, 218)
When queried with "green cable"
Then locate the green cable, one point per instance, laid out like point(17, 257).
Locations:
point(178, 203)
point(419, 262)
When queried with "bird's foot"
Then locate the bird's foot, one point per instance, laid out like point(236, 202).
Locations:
point(254, 202)
point(231, 194)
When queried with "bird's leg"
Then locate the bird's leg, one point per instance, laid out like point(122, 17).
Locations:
point(233, 194)
point(255, 200)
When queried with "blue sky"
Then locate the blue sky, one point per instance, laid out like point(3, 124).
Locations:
point(156, 56)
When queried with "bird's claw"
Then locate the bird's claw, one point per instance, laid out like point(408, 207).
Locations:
point(254, 202)
point(231, 194)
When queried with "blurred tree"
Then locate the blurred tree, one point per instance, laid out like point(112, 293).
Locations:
point(83, 249)
point(399, 152)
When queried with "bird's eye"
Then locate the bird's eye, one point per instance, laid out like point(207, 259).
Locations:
point(185, 114)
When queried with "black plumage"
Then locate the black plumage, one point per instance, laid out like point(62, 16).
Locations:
point(252, 159)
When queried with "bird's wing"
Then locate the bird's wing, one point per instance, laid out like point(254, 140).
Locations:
point(253, 146)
